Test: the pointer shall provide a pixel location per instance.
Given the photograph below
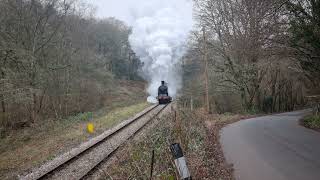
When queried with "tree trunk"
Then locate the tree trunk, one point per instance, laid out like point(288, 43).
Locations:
point(3, 108)
point(34, 108)
point(205, 57)
point(3, 75)
point(3, 104)
point(258, 100)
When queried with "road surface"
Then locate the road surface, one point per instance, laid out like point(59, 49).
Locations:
point(273, 147)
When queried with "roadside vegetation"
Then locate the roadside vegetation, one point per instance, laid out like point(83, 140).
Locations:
point(198, 135)
point(134, 159)
point(312, 122)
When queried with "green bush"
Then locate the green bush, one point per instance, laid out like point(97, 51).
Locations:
point(253, 110)
point(312, 122)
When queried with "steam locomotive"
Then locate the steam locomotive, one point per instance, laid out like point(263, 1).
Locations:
point(163, 95)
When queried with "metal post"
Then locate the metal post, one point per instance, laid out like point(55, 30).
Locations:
point(152, 162)
point(191, 103)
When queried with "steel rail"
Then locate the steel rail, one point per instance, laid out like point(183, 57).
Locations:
point(50, 167)
point(138, 130)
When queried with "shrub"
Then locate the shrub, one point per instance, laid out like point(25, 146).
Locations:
point(312, 122)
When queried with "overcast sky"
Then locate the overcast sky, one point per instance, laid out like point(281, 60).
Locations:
point(121, 9)
point(125, 10)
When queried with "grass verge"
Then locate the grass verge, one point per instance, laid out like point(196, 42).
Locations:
point(312, 122)
point(27, 148)
point(198, 135)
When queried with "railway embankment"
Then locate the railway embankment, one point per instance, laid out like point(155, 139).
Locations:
point(26, 148)
point(84, 159)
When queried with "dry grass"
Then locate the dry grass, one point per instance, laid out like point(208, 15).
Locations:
point(197, 133)
point(27, 148)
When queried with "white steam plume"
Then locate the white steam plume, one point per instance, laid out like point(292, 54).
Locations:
point(160, 30)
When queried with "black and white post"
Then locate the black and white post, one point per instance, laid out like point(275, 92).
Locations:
point(180, 161)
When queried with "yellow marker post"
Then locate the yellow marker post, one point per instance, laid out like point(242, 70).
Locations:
point(90, 128)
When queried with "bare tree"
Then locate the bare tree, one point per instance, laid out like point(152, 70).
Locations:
point(245, 38)
point(57, 60)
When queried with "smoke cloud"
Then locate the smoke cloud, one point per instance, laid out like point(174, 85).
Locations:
point(160, 31)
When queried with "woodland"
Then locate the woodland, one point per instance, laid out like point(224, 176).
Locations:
point(258, 55)
point(58, 60)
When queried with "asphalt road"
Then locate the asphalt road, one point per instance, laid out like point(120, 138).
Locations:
point(272, 147)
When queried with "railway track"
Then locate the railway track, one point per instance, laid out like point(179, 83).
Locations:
point(80, 161)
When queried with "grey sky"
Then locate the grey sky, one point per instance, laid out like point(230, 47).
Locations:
point(130, 10)
point(113, 8)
